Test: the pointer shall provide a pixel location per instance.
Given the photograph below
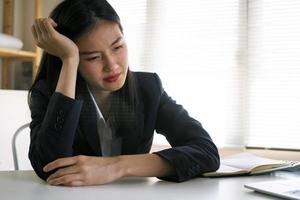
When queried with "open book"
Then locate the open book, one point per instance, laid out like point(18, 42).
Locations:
point(249, 164)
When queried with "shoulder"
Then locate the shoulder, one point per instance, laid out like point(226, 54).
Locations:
point(148, 81)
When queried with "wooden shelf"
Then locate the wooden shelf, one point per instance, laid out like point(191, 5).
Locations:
point(17, 54)
point(8, 56)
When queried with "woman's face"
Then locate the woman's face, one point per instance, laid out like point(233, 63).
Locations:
point(103, 56)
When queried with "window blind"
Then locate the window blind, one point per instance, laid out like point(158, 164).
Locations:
point(199, 50)
point(234, 65)
point(133, 14)
point(273, 111)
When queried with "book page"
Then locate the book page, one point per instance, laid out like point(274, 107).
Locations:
point(248, 161)
point(226, 170)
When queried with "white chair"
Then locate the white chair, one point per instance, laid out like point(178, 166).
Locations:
point(14, 142)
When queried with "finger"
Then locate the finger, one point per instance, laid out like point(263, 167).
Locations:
point(64, 171)
point(52, 22)
point(75, 183)
point(37, 28)
point(66, 179)
point(34, 33)
point(49, 24)
point(61, 162)
point(43, 27)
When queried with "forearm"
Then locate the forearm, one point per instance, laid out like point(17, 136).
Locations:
point(52, 133)
point(67, 79)
point(147, 165)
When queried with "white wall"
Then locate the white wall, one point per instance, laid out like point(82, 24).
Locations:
point(14, 112)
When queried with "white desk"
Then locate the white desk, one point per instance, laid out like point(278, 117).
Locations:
point(26, 185)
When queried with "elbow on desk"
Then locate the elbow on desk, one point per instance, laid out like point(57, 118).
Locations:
point(215, 162)
point(212, 160)
point(215, 159)
point(38, 166)
point(38, 169)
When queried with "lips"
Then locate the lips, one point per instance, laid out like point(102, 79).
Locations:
point(112, 78)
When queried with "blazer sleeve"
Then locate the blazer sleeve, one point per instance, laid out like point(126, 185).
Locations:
point(53, 126)
point(193, 151)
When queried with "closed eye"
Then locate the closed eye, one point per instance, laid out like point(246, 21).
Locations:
point(93, 58)
point(118, 47)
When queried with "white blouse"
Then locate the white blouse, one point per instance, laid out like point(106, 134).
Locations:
point(110, 144)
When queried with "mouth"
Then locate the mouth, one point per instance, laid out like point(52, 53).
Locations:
point(112, 78)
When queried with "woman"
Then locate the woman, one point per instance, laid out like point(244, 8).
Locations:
point(92, 118)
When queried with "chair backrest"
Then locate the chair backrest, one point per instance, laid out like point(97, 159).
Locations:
point(24, 144)
point(14, 113)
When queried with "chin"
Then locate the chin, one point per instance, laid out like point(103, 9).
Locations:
point(114, 87)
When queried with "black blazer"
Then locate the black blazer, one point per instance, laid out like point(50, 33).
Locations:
point(63, 127)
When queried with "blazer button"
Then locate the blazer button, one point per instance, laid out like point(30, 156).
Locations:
point(61, 113)
point(60, 120)
point(57, 126)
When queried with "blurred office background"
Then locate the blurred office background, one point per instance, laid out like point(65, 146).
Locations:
point(233, 64)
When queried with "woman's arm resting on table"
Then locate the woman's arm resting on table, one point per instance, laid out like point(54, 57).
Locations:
point(87, 170)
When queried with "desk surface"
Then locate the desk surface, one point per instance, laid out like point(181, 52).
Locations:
point(27, 186)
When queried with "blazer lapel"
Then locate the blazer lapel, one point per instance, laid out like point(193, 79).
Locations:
point(88, 117)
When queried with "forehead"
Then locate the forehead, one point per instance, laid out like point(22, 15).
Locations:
point(101, 35)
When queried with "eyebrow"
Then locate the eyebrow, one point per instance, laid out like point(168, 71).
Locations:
point(91, 52)
point(117, 40)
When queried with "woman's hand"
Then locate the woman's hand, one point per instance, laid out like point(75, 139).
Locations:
point(84, 170)
point(87, 170)
point(53, 42)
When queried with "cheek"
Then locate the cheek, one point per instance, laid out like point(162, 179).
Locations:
point(123, 56)
point(88, 70)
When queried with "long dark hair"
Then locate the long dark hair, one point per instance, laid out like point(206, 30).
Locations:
point(74, 18)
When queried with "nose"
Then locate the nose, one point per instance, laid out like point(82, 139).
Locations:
point(111, 63)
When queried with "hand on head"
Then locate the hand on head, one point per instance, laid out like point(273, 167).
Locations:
point(47, 38)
